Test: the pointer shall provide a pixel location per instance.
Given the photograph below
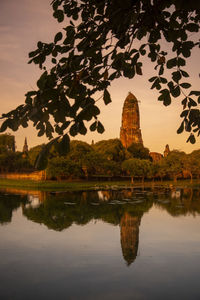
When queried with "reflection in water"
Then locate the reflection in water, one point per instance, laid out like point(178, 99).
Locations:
point(8, 204)
point(129, 227)
point(125, 208)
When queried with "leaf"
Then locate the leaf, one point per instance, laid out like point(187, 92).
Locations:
point(161, 71)
point(180, 130)
point(185, 74)
point(135, 58)
point(112, 76)
point(176, 91)
point(128, 70)
point(41, 132)
point(100, 127)
point(192, 27)
point(161, 60)
point(93, 126)
point(34, 53)
point(4, 126)
point(105, 75)
point(64, 145)
point(138, 69)
point(191, 139)
point(191, 103)
point(40, 45)
point(59, 15)
point(58, 37)
point(41, 160)
point(180, 62)
point(184, 102)
point(176, 76)
point(186, 52)
point(42, 81)
point(185, 85)
point(82, 129)
point(184, 113)
point(106, 97)
point(24, 122)
point(73, 130)
point(196, 93)
point(65, 125)
point(153, 79)
point(171, 63)
point(165, 97)
point(163, 80)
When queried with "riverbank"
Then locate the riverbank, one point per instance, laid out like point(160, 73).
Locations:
point(90, 185)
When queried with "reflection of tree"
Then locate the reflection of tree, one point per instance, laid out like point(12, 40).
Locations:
point(180, 202)
point(9, 203)
point(129, 229)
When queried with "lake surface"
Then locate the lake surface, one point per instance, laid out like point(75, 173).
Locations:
point(116, 244)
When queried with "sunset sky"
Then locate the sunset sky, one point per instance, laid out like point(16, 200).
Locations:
point(23, 23)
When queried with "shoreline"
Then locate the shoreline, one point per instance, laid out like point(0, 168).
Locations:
point(91, 185)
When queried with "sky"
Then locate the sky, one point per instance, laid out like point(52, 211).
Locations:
point(22, 24)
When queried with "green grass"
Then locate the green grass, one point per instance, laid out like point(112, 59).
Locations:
point(86, 185)
point(58, 185)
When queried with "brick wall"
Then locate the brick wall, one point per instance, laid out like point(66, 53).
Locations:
point(37, 175)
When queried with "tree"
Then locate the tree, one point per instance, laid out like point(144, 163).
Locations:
point(137, 167)
point(7, 143)
point(33, 153)
point(14, 162)
point(111, 149)
point(139, 151)
point(111, 167)
point(92, 163)
point(161, 171)
point(61, 167)
point(174, 163)
point(194, 163)
point(153, 170)
point(78, 150)
point(105, 40)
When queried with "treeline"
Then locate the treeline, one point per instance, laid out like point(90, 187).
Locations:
point(107, 158)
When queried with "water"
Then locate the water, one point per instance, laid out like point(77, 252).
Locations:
point(126, 244)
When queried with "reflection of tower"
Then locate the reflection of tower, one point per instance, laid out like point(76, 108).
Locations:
point(130, 130)
point(129, 227)
point(167, 150)
point(25, 148)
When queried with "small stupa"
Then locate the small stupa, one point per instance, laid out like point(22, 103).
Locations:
point(25, 148)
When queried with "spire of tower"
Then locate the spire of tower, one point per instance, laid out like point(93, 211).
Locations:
point(25, 148)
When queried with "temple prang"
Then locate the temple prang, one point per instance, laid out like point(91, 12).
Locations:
point(130, 130)
point(166, 151)
point(25, 147)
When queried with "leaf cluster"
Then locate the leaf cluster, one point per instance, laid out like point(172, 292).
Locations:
point(98, 46)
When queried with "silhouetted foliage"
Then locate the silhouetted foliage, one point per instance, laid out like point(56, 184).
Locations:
point(102, 41)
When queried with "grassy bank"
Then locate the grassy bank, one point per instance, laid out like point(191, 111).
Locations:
point(87, 185)
point(60, 185)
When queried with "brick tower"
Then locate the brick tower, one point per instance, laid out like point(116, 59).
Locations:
point(130, 130)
